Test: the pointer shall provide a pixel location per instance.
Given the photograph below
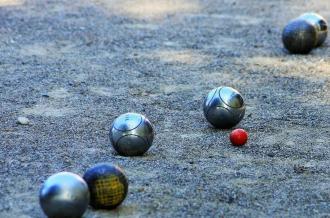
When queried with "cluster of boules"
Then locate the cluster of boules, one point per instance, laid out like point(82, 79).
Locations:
point(305, 33)
point(67, 195)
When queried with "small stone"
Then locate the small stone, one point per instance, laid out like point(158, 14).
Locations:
point(141, 189)
point(45, 95)
point(23, 121)
point(270, 154)
point(299, 169)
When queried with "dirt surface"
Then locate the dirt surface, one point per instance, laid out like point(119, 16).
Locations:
point(71, 67)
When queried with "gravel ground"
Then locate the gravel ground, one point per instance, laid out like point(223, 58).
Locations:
point(71, 67)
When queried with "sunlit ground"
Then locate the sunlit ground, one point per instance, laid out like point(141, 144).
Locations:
point(4, 3)
point(188, 57)
point(317, 71)
point(300, 68)
point(148, 9)
point(47, 49)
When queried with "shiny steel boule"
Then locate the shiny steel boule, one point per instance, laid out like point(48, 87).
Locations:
point(319, 23)
point(131, 134)
point(64, 195)
point(304, 33)
point(224, 107)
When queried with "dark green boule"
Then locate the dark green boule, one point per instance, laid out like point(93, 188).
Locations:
point(299, 36)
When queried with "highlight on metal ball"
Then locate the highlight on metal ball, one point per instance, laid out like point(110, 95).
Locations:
point(320, 24)
point(107, 184)
point(224, 107)
point(64, 195)
point(304, 33)
point(131, 134)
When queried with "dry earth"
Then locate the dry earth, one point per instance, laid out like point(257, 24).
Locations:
point(71, 67)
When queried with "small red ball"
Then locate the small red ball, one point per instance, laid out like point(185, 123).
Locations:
point(238, 137)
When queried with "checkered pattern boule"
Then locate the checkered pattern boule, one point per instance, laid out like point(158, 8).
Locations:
point(109, 191)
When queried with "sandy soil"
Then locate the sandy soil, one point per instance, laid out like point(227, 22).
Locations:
point(71, 67)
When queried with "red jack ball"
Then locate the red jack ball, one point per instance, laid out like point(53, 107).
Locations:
point(238, 137)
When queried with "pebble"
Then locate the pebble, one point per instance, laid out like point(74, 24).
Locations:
point(23, 121)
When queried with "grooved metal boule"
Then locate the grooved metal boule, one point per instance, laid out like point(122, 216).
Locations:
point(224, 107)
point(64, 195)
point(131, 134)
point(320, 24)
point(304, 33)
